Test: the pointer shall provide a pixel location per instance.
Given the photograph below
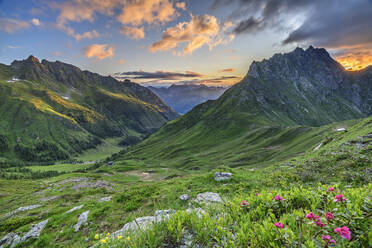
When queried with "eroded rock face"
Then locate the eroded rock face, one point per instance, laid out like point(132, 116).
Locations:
point(83, 218)
point(208, 198)
point(22, 209)
point(10, 240)
point(35, 231)
point(74, 209)
point(222, 176)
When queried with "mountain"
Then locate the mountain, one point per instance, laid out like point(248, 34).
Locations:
point(52, 110)
point(182, 98)
point(273, 113)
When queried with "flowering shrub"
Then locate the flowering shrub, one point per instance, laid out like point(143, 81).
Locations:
point(308, 217)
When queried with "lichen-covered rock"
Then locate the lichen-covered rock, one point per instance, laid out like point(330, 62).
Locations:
point(35, 231)
point(22, 209)
point(222, 176)
point(83, 218)
point(10, 240)
point(74, 209)
point(105, 199)
point(208, 198)
point(184, 197)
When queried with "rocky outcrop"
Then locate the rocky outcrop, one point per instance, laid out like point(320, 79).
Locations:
point(208, 198)
point(222, 176)
point(83, 219)
point(184, 197)
point(22, 209)
point(74, 209)
point(105, 199)
point(35, 231)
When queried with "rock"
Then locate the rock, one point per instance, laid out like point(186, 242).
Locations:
point(111, 163)
point(82, 220)
point(208, 198)
point(95, 184)
point(87, 240)
point(49, 198)
point(186, 241)
point(10, 240)
point(317, 147)
point(105, 199)
point(74, 209)
point(145, 222)
point(164, 212)
point(340, 129)
point(199, 211)
point(184, 197)
point(220, 176)
point(21, 209)
point(35, 231)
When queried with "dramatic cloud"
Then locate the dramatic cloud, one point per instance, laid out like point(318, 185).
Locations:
point(36, 22)
point(11, 25)
point(354, 58)
point(147, 11)
point(164, 75)
point(201, 30)
point(133, 32)
point(99, 51)
point(227, 70)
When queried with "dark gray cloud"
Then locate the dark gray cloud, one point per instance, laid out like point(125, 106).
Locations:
point(163, 75)
point(327, 23)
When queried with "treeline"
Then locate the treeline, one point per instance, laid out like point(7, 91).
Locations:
point(25, 173)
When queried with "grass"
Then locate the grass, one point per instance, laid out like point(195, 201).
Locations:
point(102, 151)
point(60, 167)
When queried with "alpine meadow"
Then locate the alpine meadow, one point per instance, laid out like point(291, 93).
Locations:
point(186, 124)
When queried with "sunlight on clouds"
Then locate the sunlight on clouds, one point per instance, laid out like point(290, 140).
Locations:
point(133, 32)
point(355, 61)
point(201, 30)
point(11, 25)
point(99, 51)
point(36, 22)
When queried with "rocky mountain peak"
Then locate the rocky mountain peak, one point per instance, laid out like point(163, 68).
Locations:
point(33, 59)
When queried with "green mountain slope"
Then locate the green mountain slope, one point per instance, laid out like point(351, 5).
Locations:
point(272, 114)
point(52, 110)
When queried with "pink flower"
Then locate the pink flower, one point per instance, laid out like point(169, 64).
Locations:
point(340, 198)
point(328, 239)
point(244, 203)
point(331, 189)
point(318, 222)
point(278, 198)
point(279, 225)
point(257, 194)
point(329, 216)
point(343, 231)
point(310, 216)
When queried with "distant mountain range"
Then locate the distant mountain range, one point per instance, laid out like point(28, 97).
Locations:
point(182, 98)
point(271, 113)
point(52, 110)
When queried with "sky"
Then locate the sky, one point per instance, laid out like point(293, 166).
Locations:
point(161, 42)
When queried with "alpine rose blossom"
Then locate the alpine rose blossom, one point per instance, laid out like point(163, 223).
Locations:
point(340, 198)
point(279, 225)
point(310, 216)
point(278, 198)
point(343, 231)
point(331, 189)
point(244, 203)
point(329, 216)
point(328, 239)
point(318, 222)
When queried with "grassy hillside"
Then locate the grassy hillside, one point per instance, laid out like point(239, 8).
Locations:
point(54, 111)
point(139, 189)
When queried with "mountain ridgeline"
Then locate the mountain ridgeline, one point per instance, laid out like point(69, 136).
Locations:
point(275, 112)
point(182, 98)
point(52, 110)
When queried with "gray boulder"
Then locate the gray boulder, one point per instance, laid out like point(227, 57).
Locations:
point(83, 218)
point(184, 197)
point(105, 199)
point(74, 209)
point(222, 176)
point(35, 231)
point(208, 198)
point(10, 240)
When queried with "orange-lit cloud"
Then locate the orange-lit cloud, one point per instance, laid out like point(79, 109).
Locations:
point(355, 60)
point(227, 70)
point(11, 25)
point(99, 51)
point(121, 61)
point(147, 11)
point(181, 5)
point(201, 30)
point(87, 35)
point(36, 22)
point(133, 32)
